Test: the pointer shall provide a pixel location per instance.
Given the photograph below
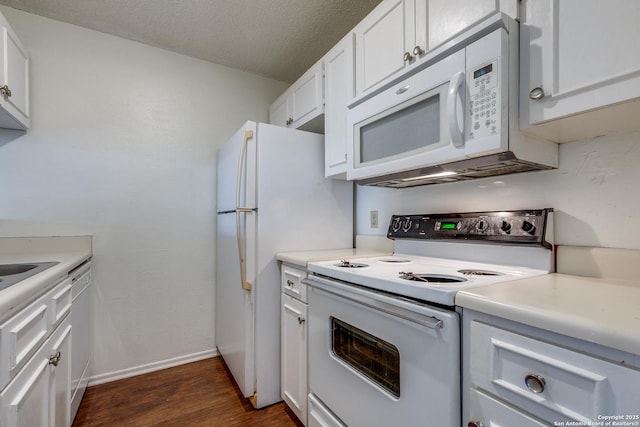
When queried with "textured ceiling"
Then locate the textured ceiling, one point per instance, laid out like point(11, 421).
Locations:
point(275, 38)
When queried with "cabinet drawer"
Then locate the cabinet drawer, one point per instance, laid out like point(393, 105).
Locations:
point(292, 285)
point(20, 337)
point(487, 411)
point(552, 382)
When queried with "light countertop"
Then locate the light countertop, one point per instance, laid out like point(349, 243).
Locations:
point(598, 310)
point(69, 252)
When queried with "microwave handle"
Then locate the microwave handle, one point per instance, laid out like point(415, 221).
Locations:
point(457, 136)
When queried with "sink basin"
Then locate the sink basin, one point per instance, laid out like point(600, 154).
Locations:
point(10, 274)
point(11, 269)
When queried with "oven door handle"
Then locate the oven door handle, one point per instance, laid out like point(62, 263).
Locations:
point(377, 303)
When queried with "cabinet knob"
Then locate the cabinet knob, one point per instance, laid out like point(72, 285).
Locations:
point(289, 282)
point(475, 424)
point(417, 51)
point(535, 383)
point(407, 57)
point(289, 121)
point(53, 360)
point(536, 93)
point(301, 320)
point(5, 91)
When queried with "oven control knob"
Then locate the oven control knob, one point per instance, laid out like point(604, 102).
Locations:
point(482, 225)
point(396, 224)
point(406, 225)
point(506, 227)
point(528, 227)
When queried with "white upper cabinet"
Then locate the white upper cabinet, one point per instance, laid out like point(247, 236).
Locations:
point(302, 105)
point(339, 90)
point(397, 33)
point(446, 18)
point(14, 80)
point(578, 56)
point(381, 41)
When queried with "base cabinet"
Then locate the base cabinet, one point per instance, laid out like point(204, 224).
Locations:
point(44, 355)
point(39, 394)
point(514, 374)
point(80, 350)
point(293, 339)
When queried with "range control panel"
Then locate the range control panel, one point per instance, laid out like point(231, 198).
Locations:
point(503, 227)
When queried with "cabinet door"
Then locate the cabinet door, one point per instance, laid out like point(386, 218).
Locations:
point(279, 111)
point(380, 44)
point(339, 90)
point(307, 99)
point(577, 55)
point(294, 355)
point(14, 76)
point(450, 17)
point(60, 371)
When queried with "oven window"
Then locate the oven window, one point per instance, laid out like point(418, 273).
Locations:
point(414, 127)
point(374, 358)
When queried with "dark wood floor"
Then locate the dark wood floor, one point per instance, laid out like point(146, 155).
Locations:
point(196, 394)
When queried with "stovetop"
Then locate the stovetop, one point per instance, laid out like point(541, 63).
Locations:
point(438, 255)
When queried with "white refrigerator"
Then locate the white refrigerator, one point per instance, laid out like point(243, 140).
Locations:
point(272, 196)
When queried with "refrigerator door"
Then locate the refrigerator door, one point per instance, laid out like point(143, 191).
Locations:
point(234, 300)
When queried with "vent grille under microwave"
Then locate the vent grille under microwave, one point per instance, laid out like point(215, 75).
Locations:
point(480, 167)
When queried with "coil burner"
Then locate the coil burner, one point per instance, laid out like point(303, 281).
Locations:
point(431, 278)
point(480, 273)
point(345, 263)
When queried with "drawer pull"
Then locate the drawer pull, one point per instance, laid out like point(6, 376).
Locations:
point(475, 424)
point(301, 320)
point(53, 360)
point(289, 282)
point(535, 383)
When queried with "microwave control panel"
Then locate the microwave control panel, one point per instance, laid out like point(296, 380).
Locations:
point(484, 101)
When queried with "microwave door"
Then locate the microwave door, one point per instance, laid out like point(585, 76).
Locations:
point(418, 122)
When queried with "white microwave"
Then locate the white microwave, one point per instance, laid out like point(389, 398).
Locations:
point(453, 117)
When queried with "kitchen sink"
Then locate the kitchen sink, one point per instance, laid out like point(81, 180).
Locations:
point(10, 274)
point(11, 269)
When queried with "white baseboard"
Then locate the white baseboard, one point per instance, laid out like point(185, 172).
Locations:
point(151, 367)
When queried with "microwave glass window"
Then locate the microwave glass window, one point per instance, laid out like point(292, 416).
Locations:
point(372, 357)
point(414, 127)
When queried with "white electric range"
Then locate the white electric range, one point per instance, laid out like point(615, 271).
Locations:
point(384, 332)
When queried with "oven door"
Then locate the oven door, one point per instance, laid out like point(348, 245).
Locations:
point(415, 123)
point(380, 360)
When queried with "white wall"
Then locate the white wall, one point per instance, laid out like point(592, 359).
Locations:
point(122, 146)
point(594, 193)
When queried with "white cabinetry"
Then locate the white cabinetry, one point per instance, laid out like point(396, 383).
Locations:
point(579, 56)
point(339, 90)
point(294, 340)
point(382, 38)
point(517, 375)
point(302, 105)
point(14, 80)
point(35, 345)
point(397, 33)
point(80, 350)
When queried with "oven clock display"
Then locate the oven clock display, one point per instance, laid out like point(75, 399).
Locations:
point(447, 225)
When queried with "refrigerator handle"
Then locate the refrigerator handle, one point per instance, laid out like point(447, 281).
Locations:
point(241, 210)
